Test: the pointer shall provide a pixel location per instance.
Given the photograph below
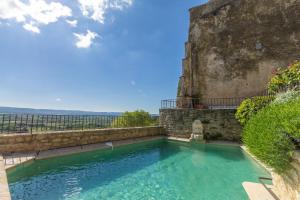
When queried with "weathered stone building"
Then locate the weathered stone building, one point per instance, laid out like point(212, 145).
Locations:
point(234, 45)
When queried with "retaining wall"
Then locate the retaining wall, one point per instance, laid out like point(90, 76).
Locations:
point(218, 124)
point(45, 141)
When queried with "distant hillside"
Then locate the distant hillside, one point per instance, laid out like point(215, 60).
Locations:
point(53, 112)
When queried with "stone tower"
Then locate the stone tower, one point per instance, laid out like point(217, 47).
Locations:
point(234, 45)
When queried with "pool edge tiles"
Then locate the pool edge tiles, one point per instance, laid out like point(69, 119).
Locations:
point(4, 188)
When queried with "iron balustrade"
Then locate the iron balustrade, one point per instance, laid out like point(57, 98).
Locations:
point(197, 103)
point(36, 123)
point(210, 103)
point(221, 103)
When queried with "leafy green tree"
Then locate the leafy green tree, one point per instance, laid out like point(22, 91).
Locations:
point(138, 118)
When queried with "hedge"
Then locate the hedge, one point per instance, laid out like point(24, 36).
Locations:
point(269, 134)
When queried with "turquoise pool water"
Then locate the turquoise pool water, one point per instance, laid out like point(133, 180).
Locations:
point(161, 170)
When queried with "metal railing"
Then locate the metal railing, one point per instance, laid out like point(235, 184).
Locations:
point(31, 123)
point(197, 103)
point(220, 103)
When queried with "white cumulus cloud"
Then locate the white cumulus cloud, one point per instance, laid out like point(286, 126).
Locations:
point(85, 40)
point(72, 23)
point(96, 9)
point(32, 28)
point(33, 13)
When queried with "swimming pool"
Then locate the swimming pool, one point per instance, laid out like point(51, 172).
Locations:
point(151, 170)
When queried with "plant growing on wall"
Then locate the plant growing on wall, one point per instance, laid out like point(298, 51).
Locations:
point(250, 107)
point(285, 78)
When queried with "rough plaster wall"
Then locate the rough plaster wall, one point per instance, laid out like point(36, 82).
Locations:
point(234, 45)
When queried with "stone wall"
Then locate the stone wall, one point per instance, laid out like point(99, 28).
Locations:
point(46, 141)
point(217, 124)
point(234, 45)
point(287, 186)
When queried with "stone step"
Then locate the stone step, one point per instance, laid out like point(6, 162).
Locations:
point(257, 191)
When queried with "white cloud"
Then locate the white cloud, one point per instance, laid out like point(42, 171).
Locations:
point(58, 99)
point(33, 14)
point(32, 28)
point(13, 9)
point(96, 9)
point(133, 83)
point(85, 40)
point(37, 12)
point(72, 23)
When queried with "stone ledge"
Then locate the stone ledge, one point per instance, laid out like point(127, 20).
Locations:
point(179, 139)
point(256, 191)
point(4, 189)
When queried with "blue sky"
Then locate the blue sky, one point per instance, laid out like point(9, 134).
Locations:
point(95, 55)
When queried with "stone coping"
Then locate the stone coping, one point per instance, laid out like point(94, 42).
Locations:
point(4, 189)
point(79, 131)
point(179, 139)
point(227, 143)
point(257, 191)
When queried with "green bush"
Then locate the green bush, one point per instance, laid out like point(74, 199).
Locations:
point(137, 118)
point(250, 107)
point(285, 77)
point(268, 134)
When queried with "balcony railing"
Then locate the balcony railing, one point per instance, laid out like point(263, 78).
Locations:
point(197, 103)
point(219, 103)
